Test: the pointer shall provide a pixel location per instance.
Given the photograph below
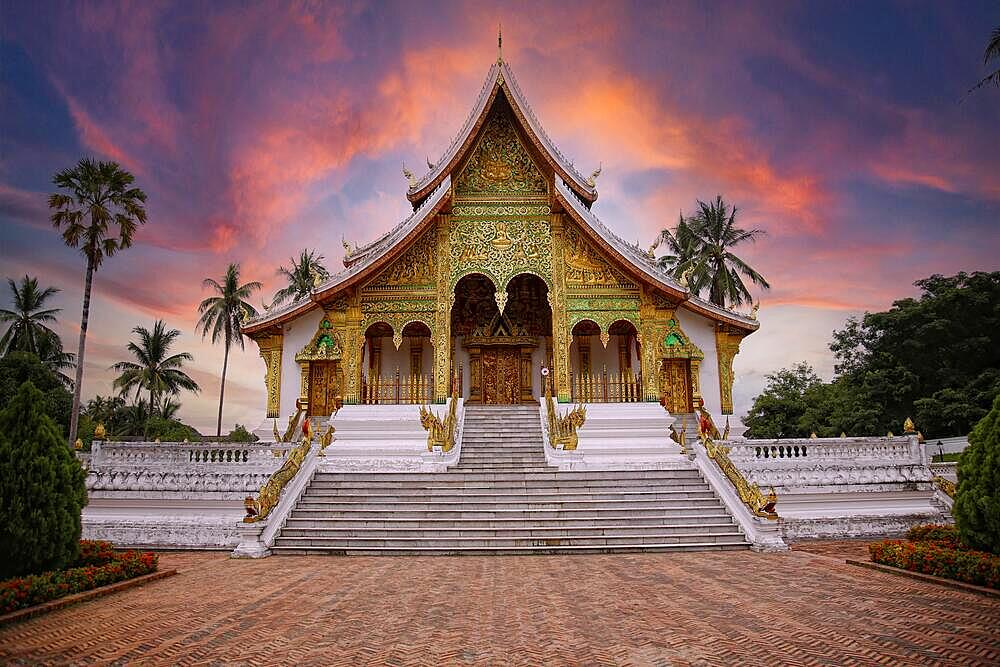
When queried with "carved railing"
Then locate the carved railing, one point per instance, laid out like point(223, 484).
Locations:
point(294, 423)
point(749, 493)
point(260, 507)
point(606, 387)
point(397, 389)
point(563, 427)
point(181, 455)
point(898, 449)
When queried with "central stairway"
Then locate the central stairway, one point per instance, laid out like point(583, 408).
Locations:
point(502, 498)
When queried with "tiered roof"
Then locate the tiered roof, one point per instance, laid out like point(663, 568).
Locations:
point(432, 192)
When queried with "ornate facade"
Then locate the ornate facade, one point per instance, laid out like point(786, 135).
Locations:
point(502, 270)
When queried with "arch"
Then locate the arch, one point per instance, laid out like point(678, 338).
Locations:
point(474, 303)
point(623, 327)
point(416, 329)
point(586, 327)
point(325, 345)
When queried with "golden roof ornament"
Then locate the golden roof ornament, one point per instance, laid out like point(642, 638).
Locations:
point(754, 311)
point(499, 43)
point(592, 179)
point(652, 248)
point(685, 277)
point(348, 248)
point(430, 165)
point(410, 178)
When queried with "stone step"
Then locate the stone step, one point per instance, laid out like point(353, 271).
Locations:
point(384, 521)
point(643, 476)
point(520, 532)
point(527, 504)
point(545, 486)
point(473, 495)
point(491, 542)
point(455, 513)
point(508, 551)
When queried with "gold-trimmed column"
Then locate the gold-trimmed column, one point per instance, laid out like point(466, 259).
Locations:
point(727, 346)
point(353, 343)
point(270, 347)
point(557, 301)
point(445, 297)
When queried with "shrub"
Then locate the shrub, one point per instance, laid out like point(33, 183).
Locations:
point(938, 533)
point(170, 430)
point(41, 489)
point(241, 434)
point(113, 567)
point(16, 368)
point(977, 498)
point(973, 567)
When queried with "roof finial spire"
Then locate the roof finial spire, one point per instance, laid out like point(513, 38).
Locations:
point(499, 42)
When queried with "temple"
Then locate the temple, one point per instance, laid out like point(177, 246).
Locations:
point(502, 270)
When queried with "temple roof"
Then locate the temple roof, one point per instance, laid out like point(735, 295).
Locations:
point(500, 76)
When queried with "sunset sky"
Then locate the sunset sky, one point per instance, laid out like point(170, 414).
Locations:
point(260, 129)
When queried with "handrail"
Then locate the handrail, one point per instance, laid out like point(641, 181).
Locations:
point(293, 423)
point(749, 493)
point(562, 428)
point(270, 493)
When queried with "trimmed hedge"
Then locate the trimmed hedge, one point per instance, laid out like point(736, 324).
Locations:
point(939, 560)
point(98, 565)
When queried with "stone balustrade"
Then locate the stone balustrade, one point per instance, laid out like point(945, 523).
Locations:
point(144, 454)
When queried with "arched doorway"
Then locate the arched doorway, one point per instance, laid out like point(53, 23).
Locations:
point(501, 350)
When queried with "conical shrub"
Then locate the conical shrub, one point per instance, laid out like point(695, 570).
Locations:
point(42, 489)
point(977, 499)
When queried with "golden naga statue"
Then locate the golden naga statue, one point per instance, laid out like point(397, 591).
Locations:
point(563, 428)
point(258, 509)
point(440, 433)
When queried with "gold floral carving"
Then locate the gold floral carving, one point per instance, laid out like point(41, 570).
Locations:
point(500, 164)
point(416, 268)
point(727, 345)
point(557, 302)
point(500, 250)
point(585, 266)
point(325, 344)
point(270, 351)
point(441, 331)
point(501, 210)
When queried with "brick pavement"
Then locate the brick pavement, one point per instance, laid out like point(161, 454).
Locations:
point(715, 608)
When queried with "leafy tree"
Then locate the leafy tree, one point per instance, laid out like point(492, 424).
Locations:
point(991, 55)
point(702, 245)
point(169, 430)
point(30, 318)
point(777, 411)
point(241, 434)
point(50, 352)
point(977, 499)
point(19, 367)
point(304, 275)
point(98, 197)
point(41, 489)
point(222, 315)
point(154, 370)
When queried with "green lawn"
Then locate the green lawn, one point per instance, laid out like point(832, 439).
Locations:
point(950, 457)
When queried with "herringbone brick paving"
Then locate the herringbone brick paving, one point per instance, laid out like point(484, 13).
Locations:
point(716, 608)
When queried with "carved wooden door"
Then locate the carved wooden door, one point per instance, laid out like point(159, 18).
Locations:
point(324, 388)
point(501, 375)
point(675, 384)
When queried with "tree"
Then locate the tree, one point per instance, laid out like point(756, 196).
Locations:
point(42, 490)
point(154, 370)
point(977, 498)
point(30, 318)
point(304, 275)
point(50, 352)
point(222, 315)
point(702, 245)
point(19, 367)
point(992, 53)
point(101, 197)
point(776, 412)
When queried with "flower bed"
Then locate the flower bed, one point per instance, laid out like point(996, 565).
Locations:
point(99, 565)
point(937, 551)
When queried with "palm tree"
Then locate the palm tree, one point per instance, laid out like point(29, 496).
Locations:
point(50, 353)
point(702, 249)
point(992, 52)
point(222, 315)
point(28, 328)
point(304, 275)
point(170, 408)
point(154, 370)
point(100, 198)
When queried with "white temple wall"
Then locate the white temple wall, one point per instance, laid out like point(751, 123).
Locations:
point(297, 335)
point(701, 330)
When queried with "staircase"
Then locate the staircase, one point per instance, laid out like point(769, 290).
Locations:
point(502, 498)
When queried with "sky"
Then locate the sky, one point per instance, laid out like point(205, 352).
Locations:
point(258, 129)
